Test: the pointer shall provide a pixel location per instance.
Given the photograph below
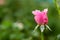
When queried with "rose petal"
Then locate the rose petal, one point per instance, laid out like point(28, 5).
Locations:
point(36, 12)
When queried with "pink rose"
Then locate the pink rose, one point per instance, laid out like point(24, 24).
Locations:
point(40, 16)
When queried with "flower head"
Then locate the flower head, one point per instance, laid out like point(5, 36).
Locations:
point(40, 16)
point(41, 19)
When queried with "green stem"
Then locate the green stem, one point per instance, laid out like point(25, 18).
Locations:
point(57, 6)
point(42, 36)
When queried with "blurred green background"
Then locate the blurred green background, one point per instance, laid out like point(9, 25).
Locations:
point(17, 21)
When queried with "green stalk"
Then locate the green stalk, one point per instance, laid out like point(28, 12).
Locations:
point(57, 6)
point(42, 31)
point(42, 36)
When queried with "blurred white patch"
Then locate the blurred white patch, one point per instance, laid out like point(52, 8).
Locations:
point(35, 34)
point(18, 25)
point(58, 36)
point(42, 28)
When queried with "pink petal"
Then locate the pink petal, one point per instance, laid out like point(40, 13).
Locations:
point(36, 12)
point(45, 19)
point(39, 19)
point(45, 10)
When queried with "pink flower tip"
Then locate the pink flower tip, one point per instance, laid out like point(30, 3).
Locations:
point(40, 16)
point(36, 12)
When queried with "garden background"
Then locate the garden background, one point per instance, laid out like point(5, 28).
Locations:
point(17, 21)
